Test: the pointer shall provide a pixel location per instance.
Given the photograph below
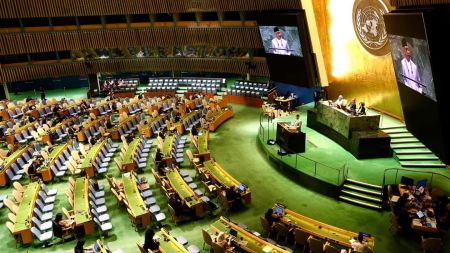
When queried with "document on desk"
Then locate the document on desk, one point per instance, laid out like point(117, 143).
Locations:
point(267, 248)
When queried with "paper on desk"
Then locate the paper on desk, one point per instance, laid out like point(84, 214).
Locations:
point(267, 248)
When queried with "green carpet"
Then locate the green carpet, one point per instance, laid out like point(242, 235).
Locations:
point(235, 147)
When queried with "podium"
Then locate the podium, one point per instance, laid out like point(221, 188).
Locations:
point(290, 139)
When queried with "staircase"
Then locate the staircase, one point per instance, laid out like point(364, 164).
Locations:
point(363, 194)
point(409, 151)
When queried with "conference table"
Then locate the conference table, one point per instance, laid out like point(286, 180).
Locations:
point(221, 177)
point(89, 159)
point(185, 192)
point(218, 119)
point(128, 162)
point(83, 219)
point(81, 137)
point(321, 230)
point(45, 171)
point(9, 160)
point(168, 244)
point(139, 210)
point(22, 227)
point(284, 103)
point(245, 239)
point(421, 202)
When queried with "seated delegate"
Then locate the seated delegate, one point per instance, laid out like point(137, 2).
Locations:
point(340, 102)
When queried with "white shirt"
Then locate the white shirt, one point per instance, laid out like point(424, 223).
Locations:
point(280, 46)
point(411, 76)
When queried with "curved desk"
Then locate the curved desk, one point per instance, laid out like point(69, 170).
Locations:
point(7, 164)
point(168, 244)
point(248, 241)
point(185, 192)
point(83, 219)
point(128, 162)
point(139, 210)
point(321, 230)
point(219, 119)
point(90, 158)
point(56, 152)
point(222, 177)
point(22, 227)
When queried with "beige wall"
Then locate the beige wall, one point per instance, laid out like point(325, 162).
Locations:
point(351, 70)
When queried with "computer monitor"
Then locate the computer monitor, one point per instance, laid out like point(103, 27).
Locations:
point(242, 187)
point(364, 234)
point(421, 183)
point(96, 247)
point(233, 232)
point(279, 210)
point(407, 181)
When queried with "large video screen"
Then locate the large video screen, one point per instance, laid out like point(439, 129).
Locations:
point(412, 66)
point(282, 40)
point(287, 47)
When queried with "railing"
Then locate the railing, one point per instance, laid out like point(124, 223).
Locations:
point(434, 180)
point(336, 176)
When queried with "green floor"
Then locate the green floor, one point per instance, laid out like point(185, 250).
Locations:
point(235, 147)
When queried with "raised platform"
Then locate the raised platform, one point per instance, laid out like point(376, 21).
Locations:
point(362, 144)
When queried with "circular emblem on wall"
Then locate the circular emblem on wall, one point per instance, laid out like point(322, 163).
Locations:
point(369, 27)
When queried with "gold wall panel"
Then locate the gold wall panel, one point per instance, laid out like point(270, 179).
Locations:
point(351, 70)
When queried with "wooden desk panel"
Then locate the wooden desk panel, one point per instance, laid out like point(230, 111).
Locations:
point(23, 224)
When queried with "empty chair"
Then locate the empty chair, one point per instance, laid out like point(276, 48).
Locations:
point(16, 169)
point(300, 237)
point(315, 245)
point(104, 226)
point(47, 191)
point(12, 176)
point(44, 208)
point(44, 237)
point(100, 209)
point(42, 216)
point(101, 217)
point(45, 198)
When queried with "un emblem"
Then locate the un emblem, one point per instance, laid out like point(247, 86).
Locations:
point(369, 27)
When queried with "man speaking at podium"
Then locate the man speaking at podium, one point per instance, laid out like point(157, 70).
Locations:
point(279, 45)
point(410, 73)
